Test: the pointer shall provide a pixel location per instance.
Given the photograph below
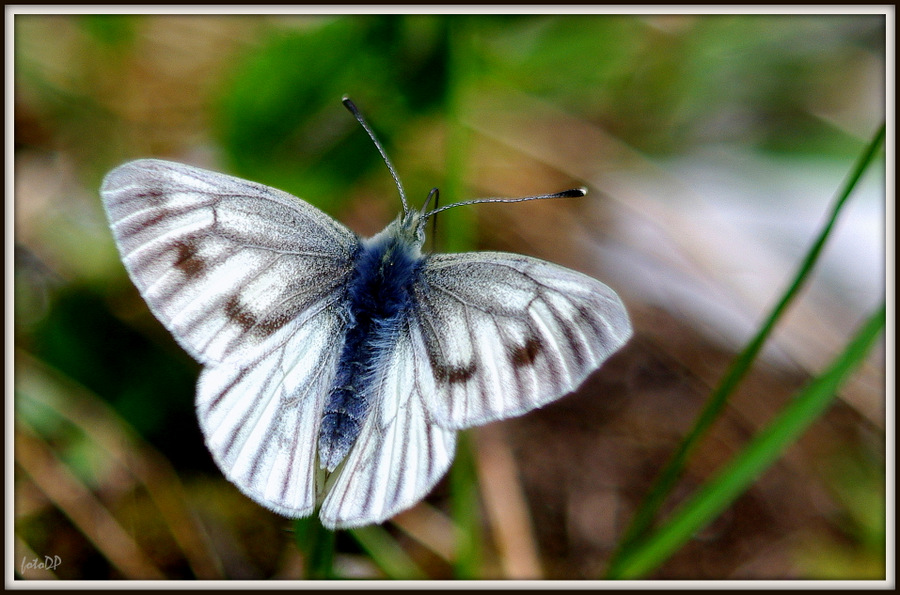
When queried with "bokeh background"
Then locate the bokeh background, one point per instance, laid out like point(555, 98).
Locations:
point(711, 147)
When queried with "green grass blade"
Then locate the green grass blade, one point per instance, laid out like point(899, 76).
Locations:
point(387, 553)
point(317, 544)
point(646, 514)
point(465, 510)
point(759, 454)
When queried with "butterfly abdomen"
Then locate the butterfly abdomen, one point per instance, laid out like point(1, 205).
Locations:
point(379, 297)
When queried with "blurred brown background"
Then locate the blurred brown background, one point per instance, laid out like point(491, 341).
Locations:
point(711, 147)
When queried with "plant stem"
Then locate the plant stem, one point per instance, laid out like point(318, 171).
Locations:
point(646, 514)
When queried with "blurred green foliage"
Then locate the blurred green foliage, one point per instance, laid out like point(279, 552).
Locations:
point(276, 118)
point(112, 31)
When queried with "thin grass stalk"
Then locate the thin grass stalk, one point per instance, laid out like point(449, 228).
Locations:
point(387, 553)
point(646, 514)
point(765, 448)
point(318, 546)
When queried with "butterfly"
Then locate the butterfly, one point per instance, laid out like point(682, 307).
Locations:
point(337, 370)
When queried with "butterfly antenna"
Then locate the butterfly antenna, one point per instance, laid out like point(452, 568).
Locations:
point(436, 195)
point(573, 193)
point(362, 121)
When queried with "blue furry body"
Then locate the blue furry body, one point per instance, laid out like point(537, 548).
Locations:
point(379, 297)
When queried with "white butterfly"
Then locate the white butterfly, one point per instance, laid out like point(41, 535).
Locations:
point(337, 370)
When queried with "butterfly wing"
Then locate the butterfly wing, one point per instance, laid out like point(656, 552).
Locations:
point(222, 262)
point(261, 419)
point(250, 282)
point(505, 334)
point(400, 453)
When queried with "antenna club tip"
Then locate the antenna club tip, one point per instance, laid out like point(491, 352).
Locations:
point(574, 193)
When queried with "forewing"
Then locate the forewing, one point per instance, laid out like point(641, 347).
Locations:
point(505, 333)
point(250, 281)
point(261, 419)
point(400, 453)
point(222, 262)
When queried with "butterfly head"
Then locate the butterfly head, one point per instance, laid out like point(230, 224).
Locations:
point(409, 230)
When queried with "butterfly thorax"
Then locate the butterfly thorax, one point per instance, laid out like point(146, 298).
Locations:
point(378, 297)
